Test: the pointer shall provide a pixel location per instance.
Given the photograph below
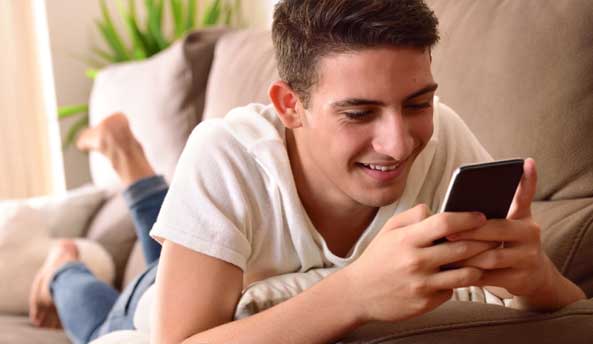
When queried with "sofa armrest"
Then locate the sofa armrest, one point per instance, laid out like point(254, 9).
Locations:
point(67, 215)
point(465, 322)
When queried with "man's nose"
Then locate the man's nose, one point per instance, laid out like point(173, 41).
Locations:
point(393, 137)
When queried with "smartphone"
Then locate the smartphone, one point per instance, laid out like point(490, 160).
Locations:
point(488, 188)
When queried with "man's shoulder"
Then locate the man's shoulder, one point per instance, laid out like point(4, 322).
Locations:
point(244, 126)
point(237, 146)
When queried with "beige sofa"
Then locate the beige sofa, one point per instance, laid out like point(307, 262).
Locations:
point(520, 73)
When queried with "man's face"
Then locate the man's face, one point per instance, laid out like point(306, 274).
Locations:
point(369, 116)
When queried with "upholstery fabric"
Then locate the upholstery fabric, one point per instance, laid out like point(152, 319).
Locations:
point(24, 237)
point(567, 237)
point(162, 97)
point(463, 322)
point(521, 75)
point(243, 68)
point(67, 215)
point(16, 329)
point(112, 227)
point(135, 266)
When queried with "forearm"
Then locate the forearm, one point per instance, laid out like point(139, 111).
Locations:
point(320, 314)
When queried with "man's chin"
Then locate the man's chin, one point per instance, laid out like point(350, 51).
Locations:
point(379, 199)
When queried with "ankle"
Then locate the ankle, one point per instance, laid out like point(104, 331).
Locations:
point(131, 165)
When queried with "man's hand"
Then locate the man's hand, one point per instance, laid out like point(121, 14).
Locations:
point(520, 265)
point(398, 276)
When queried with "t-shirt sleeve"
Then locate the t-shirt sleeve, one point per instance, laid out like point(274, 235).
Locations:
point(206, 209)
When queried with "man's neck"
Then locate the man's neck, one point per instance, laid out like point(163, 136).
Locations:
point(337, 218)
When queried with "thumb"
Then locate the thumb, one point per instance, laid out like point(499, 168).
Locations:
point(408, 217)
point(521, 206)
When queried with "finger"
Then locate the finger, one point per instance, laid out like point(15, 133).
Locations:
point(499, 258)
point(443, 224)
point(521, 205)
point(457, 278)
point(449, 252)
point(495, 230)
point(408, 217)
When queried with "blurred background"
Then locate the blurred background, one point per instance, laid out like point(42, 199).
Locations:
point(51, 49)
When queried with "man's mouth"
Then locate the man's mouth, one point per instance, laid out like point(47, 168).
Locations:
point(382, 168)
point(383, 172)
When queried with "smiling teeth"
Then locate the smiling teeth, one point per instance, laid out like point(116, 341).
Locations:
point(381, 168)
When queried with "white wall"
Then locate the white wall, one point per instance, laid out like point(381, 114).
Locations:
point(30, 159)
point(72, 35)
point(258, 13)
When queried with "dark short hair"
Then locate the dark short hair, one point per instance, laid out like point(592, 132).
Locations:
point(304, 31)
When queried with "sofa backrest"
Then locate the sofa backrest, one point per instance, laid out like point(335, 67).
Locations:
point(520, 73)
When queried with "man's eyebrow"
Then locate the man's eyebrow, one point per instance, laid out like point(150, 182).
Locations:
point(365, 102)
point(427, 89)
point(356, 102)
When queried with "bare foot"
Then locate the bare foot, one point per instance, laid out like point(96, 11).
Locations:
point(42, 311)
point(113, 138)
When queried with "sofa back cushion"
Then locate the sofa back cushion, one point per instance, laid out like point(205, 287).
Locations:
point(243, 68)
point(520, 73)
point(163, 97)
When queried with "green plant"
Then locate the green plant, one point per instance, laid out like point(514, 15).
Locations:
point(146, 38)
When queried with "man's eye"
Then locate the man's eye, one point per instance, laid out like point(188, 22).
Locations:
point(357, 114)
point(419, 106)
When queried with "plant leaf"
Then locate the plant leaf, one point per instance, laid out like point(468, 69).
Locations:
point(177, 13)
point(155, 16)
point(212, 14)
point(111, 35)
point(103, 55)
point(69, 111)
point(228, 14)
point(74, 129)
point(139, 49)
point(190, 21)
point(91, 73)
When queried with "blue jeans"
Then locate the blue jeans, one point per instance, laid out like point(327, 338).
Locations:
point(89, 308)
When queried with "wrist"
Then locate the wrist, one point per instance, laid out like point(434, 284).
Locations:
point(353, 293)
point(555, 292)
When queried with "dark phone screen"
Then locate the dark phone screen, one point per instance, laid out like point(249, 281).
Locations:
point(488, 188)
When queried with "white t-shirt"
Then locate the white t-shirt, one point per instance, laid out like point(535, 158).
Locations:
point(233, 195)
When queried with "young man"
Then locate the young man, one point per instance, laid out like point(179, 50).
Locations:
point(343, 169)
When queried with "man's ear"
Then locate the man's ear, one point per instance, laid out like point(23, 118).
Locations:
point(285, 100)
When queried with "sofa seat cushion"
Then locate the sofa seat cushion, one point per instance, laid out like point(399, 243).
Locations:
point(16, 329)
